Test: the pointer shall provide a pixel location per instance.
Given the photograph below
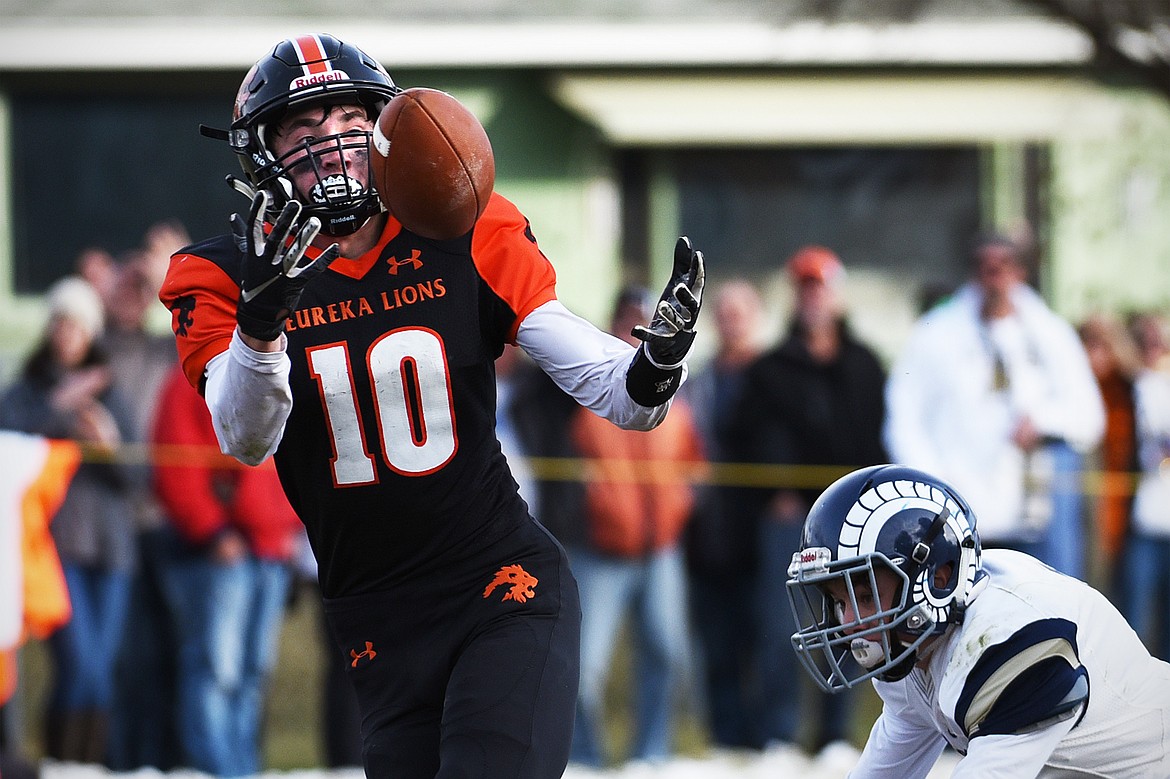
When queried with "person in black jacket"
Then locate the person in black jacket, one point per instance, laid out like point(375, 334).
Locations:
point(813, 404)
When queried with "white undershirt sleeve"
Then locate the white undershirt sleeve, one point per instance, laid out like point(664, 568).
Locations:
point(898, 748)
point(587, 363)
point(1018, 756)
point(904, 742)
point(249, 397)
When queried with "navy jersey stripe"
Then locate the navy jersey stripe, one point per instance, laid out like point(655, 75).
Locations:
point(1032, 677)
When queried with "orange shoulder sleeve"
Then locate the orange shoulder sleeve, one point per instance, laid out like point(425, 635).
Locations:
point(508, 258)
point(202, 299)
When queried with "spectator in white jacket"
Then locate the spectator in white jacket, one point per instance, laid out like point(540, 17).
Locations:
point(993, 392)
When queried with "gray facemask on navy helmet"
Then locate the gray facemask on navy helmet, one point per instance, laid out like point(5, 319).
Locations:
point(883, 517)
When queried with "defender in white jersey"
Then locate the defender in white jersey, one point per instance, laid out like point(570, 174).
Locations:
point(1022, 670)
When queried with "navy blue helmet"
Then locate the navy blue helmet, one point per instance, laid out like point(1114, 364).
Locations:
point(885, 517)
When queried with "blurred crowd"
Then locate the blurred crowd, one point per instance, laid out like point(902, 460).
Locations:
point(177, 564)
point(1056, 430)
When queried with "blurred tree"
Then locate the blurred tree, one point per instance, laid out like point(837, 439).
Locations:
point(1133, 35)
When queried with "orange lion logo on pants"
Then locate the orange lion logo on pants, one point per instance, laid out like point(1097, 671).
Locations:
point(522, 584)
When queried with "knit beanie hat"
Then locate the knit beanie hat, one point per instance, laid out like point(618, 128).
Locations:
point(73, 298)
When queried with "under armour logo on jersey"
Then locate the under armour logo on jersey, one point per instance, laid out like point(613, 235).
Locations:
point(367, 653)
point(182, 310)
point(521, 584)
point(413, 261)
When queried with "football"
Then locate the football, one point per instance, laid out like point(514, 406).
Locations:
point(433, 163)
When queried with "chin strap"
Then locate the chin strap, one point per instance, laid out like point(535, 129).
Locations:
point(922, 549)
point(248, 191)
point(214, 133)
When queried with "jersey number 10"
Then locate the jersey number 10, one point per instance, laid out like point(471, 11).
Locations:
point(412, 401)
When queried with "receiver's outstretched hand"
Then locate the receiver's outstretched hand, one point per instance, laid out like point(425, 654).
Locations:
point(671, 331)
point(273, 271)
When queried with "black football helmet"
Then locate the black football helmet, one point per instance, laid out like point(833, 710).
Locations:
point(301, 70)
point(892, 517)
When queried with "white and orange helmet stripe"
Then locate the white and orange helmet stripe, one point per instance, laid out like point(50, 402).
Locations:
point(311, 54)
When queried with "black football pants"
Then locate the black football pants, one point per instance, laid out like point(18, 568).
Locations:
point(472, 674)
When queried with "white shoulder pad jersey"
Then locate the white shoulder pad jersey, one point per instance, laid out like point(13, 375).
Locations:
point(1007, 688)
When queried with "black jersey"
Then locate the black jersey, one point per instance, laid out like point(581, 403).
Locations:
point(389, 455)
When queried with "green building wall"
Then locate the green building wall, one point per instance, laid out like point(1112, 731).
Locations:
point(558, 171)
point(1110, 196)
point(1108, 199)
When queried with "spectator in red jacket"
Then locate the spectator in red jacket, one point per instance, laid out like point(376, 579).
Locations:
point(228, 586)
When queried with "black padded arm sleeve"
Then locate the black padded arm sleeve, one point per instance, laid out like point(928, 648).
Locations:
point(648, 384)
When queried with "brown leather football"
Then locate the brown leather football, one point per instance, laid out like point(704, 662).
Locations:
point(433, 163)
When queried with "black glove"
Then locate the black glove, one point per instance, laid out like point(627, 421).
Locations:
point(273, 272)
point(671, 332)
point(656, 370)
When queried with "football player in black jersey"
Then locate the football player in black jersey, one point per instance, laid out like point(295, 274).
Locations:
point(362, 355)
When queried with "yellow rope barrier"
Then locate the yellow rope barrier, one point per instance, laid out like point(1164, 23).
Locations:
point(572, 469)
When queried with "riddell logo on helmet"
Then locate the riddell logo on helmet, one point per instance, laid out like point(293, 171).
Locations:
point(318, 78)
point(815, 559)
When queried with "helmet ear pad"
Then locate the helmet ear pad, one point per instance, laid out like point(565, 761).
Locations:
point(944, 578)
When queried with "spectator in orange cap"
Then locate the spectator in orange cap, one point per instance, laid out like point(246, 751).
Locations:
point(814, 404)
